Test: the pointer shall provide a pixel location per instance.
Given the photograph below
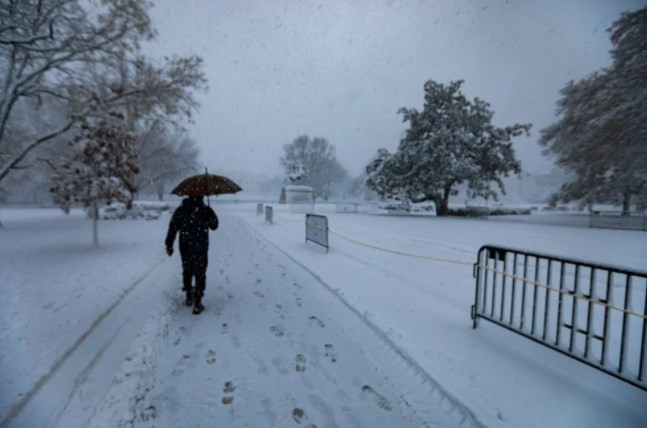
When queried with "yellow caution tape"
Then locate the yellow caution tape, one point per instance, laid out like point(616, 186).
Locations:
point(566, 292)
point(464, 263)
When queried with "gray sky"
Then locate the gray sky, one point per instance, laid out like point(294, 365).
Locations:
point(341, 69)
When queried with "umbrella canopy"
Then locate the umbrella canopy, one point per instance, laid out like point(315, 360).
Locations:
point(206, 185)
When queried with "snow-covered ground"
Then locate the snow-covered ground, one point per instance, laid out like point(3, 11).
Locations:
point(292, 336)
point(424, 308)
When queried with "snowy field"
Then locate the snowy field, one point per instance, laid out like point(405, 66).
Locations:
point(291, 336)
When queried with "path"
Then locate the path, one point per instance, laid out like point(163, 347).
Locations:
point(275, 347)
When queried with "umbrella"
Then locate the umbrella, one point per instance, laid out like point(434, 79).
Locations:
point(206, 185)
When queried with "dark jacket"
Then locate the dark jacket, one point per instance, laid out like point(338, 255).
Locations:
point(192, 219)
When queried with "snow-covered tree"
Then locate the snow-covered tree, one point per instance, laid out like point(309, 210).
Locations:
point(313, 162)
point(450, 142)
point(101, 169)
point(601, 135)
point(381, 176)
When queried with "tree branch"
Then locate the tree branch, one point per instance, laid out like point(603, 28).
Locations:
point(11, 165)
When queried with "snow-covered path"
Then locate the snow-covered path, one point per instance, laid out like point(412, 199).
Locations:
point(274, 348)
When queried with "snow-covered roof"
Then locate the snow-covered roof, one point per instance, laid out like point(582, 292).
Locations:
point(298, 188)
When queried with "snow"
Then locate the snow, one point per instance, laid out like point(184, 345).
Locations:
point(99, 337)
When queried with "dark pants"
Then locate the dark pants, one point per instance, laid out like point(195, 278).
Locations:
point(194, 265)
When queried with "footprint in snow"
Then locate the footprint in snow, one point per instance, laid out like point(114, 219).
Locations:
point(299, 415)
point(330, 352)
point(258, 294)
point(299, 301)
point(149, 413)
point(228, 389)
point(379, 399)
point(300, 363)
point(211, 356)
point(277, 331)
point(317, 321)
point(258, 281)
point(224, 329)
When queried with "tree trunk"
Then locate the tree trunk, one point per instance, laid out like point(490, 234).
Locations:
point(442, 203)
point(626, 203)
point(95, 226)
point(160, 191)
point(442, 208)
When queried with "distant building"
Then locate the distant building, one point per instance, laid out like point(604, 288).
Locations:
point(296, 195)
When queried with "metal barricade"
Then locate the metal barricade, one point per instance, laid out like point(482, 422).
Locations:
point(596, 314)
point(317, 230)
point(259, 209)
point(269, 215)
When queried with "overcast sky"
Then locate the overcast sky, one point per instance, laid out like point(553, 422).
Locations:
point(342, 69)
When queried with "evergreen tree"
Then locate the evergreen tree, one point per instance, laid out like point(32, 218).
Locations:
point(450, 142)
point(601, 135)
point(381, 177)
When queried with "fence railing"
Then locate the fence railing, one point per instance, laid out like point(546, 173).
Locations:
point(317, 230)
point(616, 220)
point(594, 313)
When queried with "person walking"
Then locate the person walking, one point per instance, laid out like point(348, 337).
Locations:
point(192, 220)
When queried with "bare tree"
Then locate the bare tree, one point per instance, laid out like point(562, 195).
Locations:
point(43, 41)
point(313, 162)
point(165, 158)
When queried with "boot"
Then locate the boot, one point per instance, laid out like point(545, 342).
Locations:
point(189, 297)
point(197, 306)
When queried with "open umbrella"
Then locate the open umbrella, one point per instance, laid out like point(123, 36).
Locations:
point(206, 185)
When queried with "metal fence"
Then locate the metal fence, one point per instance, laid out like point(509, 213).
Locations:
point(594, 313)
point(317, 230)
point(259, 209)
point(269, 215)
point(616, 220)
